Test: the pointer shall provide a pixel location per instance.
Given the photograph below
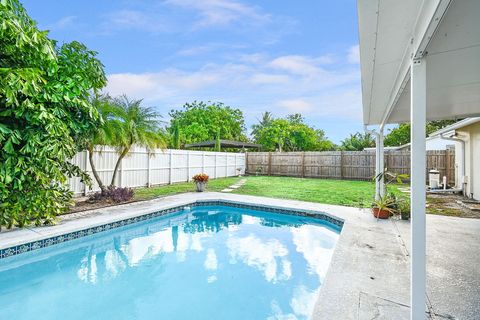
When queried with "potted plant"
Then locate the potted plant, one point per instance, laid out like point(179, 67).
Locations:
point(404, 208)
point(201, 180)
point(384, 207)
point(389, 205)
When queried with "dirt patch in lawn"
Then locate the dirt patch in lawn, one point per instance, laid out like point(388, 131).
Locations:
point(448, 205)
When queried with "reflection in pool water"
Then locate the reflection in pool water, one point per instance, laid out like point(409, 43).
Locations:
point(209, 263)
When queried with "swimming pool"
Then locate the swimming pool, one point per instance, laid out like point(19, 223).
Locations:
point(203, 262)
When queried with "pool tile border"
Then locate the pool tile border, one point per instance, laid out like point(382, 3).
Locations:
point(35, 245)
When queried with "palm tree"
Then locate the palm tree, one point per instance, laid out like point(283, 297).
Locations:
point(138, 125)
point(266, 120)
point(108, 131)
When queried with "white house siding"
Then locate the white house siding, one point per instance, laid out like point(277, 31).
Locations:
point(471, 136)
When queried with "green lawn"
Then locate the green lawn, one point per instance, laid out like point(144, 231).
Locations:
point(213, 185)
point(341, 192)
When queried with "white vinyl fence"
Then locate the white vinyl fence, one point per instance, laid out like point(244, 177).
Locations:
point(144, 168)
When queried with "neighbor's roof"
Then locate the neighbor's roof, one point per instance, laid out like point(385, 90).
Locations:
point(455, 126)
point(223, 144)
point(445, 32)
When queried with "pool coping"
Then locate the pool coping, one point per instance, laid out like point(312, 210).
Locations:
point(365, 248)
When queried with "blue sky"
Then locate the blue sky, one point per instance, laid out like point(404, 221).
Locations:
point(269, 55)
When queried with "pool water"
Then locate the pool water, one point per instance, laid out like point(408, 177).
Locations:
point(210, 262)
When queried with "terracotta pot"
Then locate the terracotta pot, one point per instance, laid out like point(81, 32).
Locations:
point(200, 186)
point(381, 214)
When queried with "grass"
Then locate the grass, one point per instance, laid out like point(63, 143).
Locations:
point(340, 192)
point(166, 190)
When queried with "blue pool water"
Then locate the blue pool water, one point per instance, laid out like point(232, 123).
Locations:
point(213, 262)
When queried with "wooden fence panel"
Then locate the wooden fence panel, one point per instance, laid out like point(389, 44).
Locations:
point(350, 165)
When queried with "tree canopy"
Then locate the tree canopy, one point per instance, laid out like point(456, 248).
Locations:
point(400, 134)
point(357, 142)
point(200, 121)
point(44, 109)
point(289, 134)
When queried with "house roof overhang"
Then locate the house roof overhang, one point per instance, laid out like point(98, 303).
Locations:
point(443, 32)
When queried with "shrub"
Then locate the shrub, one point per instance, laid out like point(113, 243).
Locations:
point(113, 194)
point(44, 113)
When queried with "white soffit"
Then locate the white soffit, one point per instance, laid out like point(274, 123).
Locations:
point(452, 58)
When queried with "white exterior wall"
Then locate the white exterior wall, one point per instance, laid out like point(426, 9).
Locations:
point(142, 168)
point(471, 136)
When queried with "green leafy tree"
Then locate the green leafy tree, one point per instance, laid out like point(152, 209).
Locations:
point(199, 121)
point(218, 146)
point(44, 109)
point(290, 134)
point(400, 134)
point(176, 136)
point(357, 142)
point(139, 125)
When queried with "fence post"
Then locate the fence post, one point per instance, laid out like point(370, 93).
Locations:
point(215, 172)
point(447, 165)
point(303, 164)
point(188, 166)
point(148, 169)
point(85, 188)
point(269, 163)
point(341, 165)
point(170, 179)
point(120, 184)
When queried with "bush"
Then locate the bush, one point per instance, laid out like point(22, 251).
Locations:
point(44, 113)
point(113, 194)
point(404, 208)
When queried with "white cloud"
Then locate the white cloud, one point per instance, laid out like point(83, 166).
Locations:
point(63, 23)
point(222, 12)
point(254, 83)
point(269, 257)
point(265, 78)
point(317, 245)
point(211, 262)
point(134, 20)
point(354, 54)
point(296, 105)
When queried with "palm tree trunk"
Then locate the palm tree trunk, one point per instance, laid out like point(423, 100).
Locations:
point(94, 169)
point(122, 155)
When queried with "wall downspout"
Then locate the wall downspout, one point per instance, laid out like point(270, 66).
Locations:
point(463, 159)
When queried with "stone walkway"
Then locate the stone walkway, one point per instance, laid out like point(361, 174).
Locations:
point(235, 186)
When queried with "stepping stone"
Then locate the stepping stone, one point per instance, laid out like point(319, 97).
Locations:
point(235, 186)
point(227, 190)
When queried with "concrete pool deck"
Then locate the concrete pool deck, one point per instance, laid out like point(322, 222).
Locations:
point(368, 277)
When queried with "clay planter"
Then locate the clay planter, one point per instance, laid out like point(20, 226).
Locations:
point(380, 214)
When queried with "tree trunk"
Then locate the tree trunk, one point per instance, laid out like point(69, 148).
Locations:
point(122, 155)
point(94, 169)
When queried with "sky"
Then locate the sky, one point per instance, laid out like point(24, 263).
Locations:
point(279, 56)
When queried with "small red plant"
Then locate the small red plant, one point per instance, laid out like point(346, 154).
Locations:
point(201, 177)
